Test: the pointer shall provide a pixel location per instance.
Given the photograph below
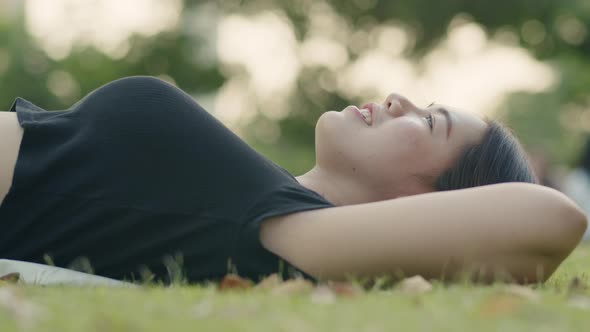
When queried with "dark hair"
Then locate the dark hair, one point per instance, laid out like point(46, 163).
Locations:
point(498, 158)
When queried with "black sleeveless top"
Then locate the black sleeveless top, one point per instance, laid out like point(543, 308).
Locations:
point(137, 178)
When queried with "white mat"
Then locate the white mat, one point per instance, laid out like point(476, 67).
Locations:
point(39, 274)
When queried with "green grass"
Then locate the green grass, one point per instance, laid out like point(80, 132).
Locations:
point(458, 307)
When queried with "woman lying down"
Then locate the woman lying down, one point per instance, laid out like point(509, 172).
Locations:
point(137, 172)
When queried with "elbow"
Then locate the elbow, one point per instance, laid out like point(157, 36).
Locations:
point(568, 225)
point(575, 220)
point(581, 221)
point(556, 230)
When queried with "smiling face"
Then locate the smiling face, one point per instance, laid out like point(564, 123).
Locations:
point(403, 145)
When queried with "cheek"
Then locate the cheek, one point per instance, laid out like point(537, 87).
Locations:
point(383, 147)
point(411, 135)
point(411, 146)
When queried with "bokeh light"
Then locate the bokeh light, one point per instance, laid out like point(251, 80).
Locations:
point(268, 69)
point(105, 24)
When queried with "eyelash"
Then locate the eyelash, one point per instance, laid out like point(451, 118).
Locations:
point(429, 119)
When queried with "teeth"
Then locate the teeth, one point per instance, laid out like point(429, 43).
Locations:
point(367, 115)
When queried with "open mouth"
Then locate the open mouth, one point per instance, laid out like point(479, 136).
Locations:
point(367, 115)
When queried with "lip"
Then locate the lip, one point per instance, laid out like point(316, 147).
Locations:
point(357, 111)
point(370, 107)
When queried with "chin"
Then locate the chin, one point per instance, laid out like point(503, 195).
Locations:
point(331, 135)
point(328, 122)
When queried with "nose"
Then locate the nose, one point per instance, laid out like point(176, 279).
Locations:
point(398, 105)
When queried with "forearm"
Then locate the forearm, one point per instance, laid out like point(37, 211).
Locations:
point(523, 230)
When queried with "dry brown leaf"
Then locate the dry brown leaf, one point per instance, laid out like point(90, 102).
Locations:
point(522, 291)
point(323, 295)
point(269, 282)
point(26, 313)
point(509, 299)
point(293, 286)
point(11, 278)
point(233, 282)
point(501, 304)
point(415, 285)
point(345, 289)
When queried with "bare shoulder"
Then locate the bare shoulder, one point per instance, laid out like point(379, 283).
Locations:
point(10, 137)
point(421, 234)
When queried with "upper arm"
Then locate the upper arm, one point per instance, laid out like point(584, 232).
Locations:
point(514, 226)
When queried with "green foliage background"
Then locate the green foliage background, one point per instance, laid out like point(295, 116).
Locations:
point(538, 119)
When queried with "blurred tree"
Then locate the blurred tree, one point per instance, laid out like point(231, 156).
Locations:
point(554, 31)
point(30, 72)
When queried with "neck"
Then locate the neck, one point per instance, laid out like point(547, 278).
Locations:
point(337, 189)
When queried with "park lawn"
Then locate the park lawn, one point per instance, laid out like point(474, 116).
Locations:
point(555, 306)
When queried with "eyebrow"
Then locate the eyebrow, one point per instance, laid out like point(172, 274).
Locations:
point(447, 115)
